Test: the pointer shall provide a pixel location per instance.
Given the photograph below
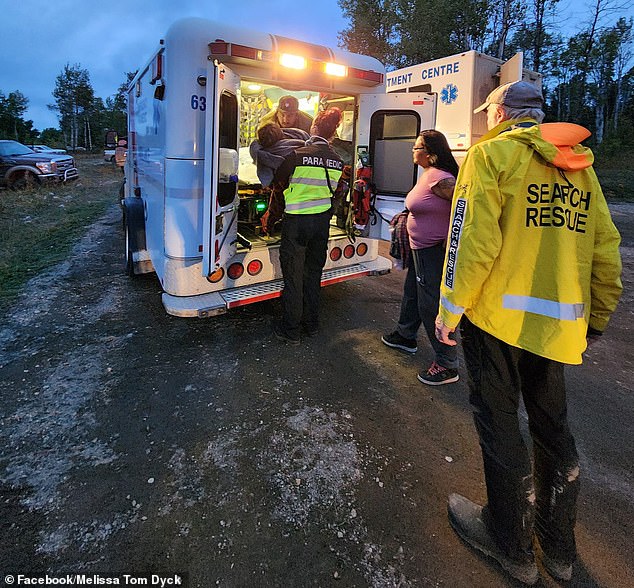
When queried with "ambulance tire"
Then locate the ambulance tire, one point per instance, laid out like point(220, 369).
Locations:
point(129, 259)
point(134, 229)
point(122, 193)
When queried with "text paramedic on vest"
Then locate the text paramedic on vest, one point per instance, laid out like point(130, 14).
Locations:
point(308, 178)
point(533, 270)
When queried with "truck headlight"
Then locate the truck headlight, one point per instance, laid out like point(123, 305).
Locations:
point(46, 167)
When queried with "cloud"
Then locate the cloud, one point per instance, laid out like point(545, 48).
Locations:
point(111, 38)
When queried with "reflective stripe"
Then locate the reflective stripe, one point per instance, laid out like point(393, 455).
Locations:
point(452, 308)
point(309, 204)
point(557, 310)
point(309, 181)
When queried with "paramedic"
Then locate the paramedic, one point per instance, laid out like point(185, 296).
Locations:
point(308, 178)
point(288, 115)
point(533, 269)
point(429, 207)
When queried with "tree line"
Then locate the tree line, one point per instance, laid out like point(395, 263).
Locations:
point(83, 117)
point(588, 76)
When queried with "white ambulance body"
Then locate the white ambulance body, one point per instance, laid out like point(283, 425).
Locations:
point(193, 199)
point(459, 84)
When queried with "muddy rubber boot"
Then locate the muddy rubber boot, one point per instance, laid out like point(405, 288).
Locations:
point(557, 492)
point(466, 519)
point(557, 569)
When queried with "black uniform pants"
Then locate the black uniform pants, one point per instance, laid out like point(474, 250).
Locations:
point(522, 500)
point(303, 250)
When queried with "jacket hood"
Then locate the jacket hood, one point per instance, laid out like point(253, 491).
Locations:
point(558, 143)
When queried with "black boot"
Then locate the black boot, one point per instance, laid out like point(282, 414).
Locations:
point(466, 518)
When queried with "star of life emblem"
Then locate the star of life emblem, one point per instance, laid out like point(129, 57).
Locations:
point(449, 94)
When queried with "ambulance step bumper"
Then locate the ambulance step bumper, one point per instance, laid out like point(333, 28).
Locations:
point(214, 303)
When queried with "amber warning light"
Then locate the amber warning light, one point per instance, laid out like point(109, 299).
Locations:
point(335, 69)
point(293, 61)
point(231, 52)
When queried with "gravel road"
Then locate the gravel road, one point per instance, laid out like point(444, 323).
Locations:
point(138, 443)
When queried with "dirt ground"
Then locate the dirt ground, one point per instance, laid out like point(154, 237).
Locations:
point(138, 443)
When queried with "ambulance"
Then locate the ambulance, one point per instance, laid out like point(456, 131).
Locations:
point(193, 200)
point(459, 84)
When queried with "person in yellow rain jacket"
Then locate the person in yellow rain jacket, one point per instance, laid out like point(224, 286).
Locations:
point(532, 273)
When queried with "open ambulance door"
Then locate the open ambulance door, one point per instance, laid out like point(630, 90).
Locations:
point(388, 125)
point(512, 70)
point(222, 144)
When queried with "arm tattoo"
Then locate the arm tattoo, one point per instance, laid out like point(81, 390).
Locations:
point(444, 188)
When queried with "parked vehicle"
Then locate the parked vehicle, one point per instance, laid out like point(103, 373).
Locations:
point(193, 199)
point(108, 155)
point(47, 149)
point(21, 166)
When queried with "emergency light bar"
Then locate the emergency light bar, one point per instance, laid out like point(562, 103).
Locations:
point(233, 53)
point(335, 69)
point(293, 61)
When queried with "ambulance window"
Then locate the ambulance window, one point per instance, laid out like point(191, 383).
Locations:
point(228, 145)
point(228, 121)
point(392, 136)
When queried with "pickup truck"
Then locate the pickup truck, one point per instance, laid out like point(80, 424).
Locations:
point(20, 166)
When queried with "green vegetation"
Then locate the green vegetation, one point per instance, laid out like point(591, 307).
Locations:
point(38, 227)
point(587, 70)
point(615, 172)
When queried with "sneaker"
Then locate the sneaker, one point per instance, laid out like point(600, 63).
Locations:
point(466, 519)
point(281, 334)
point(438, 375)
point(397, 341)
point(557, 569)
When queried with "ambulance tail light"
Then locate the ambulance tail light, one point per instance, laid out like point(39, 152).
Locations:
point(216, 276)
point(293, 61)
point(348, 251)
point(335, 254)
point(362, 249)
point(373, 78)
point(238, 52)
point(235, 271)
point(254, 267)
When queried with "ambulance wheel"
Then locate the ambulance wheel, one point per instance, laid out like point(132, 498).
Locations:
point(122, 193)
point(129, 260)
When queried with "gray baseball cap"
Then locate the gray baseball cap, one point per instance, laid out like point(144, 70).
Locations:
point(514, 95)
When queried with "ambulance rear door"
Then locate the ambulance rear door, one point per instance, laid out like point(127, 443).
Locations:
point(388, 125)
point(222, 138)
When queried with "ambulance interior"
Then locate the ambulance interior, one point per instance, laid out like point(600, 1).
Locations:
point(391, 136)
point(257, 100)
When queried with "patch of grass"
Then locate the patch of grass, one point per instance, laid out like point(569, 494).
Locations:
point(617, 185)
point(39, 226)
point(614, 170)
